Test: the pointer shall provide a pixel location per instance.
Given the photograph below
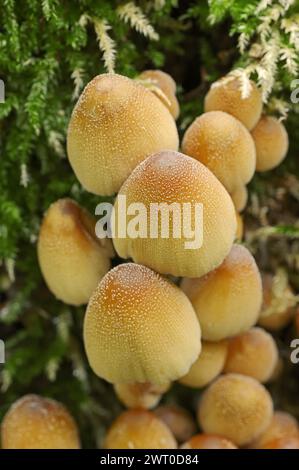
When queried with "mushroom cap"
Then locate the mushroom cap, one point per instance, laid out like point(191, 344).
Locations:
point(224, 145)
point(227, 301)
point(271, 142)
point(116, 124)
point(291, 442)
point(240, 197)
point(178, 420)
point(226, 95)
point(140, 395)
point(252, 353)
point(236, 407)
point(34, 422)
point(171, 177)
point(208, 366)
point(164, 82)
point(72, 259)
point(139, 327)
point(139, 429)
point(283, 425)
point(208, 441)
point(278, 301)
point(240, 227)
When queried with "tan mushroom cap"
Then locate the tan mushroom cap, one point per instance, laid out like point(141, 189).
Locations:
point(227, 301)
point(271, 142)
point(278, 302)
point(224, 145)
point(236, 407)
point(291, 442)
point(171, 177)
point(208, 366)
point(282, 426)
point(240, 197)
point(140, 395)
point(139, 327)
point(178, 420)
point(240, 227)
point(34, 422)
point(116, 124)
point(252, 353)
point(226, 95)
point(167, 85)
point(208, 441)
point(139, 429)
point(72, 259)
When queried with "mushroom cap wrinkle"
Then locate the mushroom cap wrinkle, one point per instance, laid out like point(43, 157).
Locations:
point(116, 124)
point(72, 259)
point(224, 145)
point(171, 177)
point(139, 327)
point(227, 301)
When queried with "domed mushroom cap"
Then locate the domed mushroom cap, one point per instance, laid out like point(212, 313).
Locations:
point(226, 95)
point(271, 142)
point(139, 429)
point(116, 124)
point(240, 197)
point(252, 353)
point(178, 420)
point(278, 302)
point(164, 82)
point(227, 301)
point(291, 442)
point(34, 422)
point(72, 259)
point(208, 366)
point(140, 395)
point(139, 327)
point(236, 407)
point(208, 441)
point(282, 426)
point(224, 145)
point(168, 178)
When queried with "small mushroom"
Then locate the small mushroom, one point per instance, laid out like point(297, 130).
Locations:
point(162, 81)
point(226, 95)
point(139, 429)
point(175, 183)
point(252, 353)
point(135, 323)
point(282, 426)
point(72, 259)
point(116, 124)
point(34, 422)
point(178, 420)
point(140, 395)
point(208, 366)
point(236, 407)
point(208, 441)
point(271, 142)
point(227, 301)
point(278, 302)
point(291, 442)
point(240, 197)
point(224, 145)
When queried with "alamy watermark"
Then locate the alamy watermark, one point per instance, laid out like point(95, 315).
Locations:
point(158, 220)
point(295, 353)
point(295, 92)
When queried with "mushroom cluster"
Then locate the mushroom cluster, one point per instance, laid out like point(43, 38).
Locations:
point(170, 313)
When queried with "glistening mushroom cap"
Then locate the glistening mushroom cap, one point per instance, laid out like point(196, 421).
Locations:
point(236, 407)
point(116, 124)
point(226, 95)
point(72, 259)
point(224, 145)
point(34, 422)
point(178, 420)
point(139, 327)
point(139, 429)
point(227, 301)
point(282, 426)
point(208, 365)
point(271, 142)
point(171, 181)
point(208, 441)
